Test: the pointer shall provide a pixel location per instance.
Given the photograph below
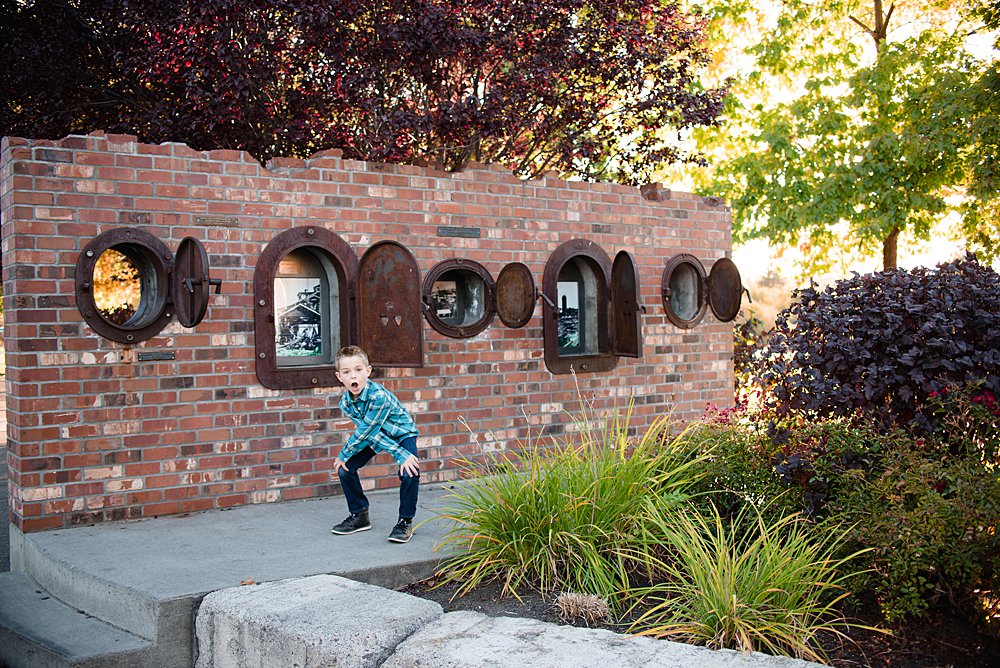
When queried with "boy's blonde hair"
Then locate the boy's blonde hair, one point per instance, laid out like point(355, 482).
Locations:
point(350, 351)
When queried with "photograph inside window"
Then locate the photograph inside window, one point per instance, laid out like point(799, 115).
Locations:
point(570, 328)
point(298, 321)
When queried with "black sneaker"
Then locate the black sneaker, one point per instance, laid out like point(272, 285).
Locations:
point(402, 531)
point(353, 524)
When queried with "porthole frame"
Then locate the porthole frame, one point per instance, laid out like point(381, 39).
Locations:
point(154, 261)
point(603, 359)
point(720, 290)
point(345, 263)
point(666, 290)
point(489, 297)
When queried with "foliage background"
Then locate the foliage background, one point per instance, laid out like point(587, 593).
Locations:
point(584, 87)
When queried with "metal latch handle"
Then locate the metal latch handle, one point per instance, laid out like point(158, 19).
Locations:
point(191, 282)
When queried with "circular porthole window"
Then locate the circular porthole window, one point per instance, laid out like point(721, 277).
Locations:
point(683, 290)
point(121, 285)
point(124, 289)
point(459, 298)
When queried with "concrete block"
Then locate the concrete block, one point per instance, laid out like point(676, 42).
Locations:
point(322, 620)
point(462, 639)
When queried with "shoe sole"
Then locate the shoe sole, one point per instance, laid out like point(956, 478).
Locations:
point(348, 533)
point(395, 539)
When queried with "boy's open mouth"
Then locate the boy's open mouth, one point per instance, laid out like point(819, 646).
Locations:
point(354, 385)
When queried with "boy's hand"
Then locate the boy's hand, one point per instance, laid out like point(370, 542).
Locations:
point(337, 465)
point(411, 466)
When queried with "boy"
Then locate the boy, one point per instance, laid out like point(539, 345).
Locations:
point(381, 425)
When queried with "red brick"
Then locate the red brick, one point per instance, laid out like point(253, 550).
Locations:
point(157, 509)
point(232, 500)
point(195, 505)
point(41, 523)
point(176, 493)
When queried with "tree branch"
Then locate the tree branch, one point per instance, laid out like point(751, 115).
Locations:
point(863, 27)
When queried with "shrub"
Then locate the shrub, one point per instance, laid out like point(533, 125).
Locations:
point(561, 518)
point(738, 465)
point(931, 521)
point(778, 468)
point(926, 507)
point(967, 419)
point(744, 583)
point(878, 345)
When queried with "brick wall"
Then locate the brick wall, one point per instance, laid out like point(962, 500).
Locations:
point(95, 434)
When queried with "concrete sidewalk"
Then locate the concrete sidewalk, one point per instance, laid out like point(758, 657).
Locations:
point(175, 556)
point(128, 594)
point(148, 577)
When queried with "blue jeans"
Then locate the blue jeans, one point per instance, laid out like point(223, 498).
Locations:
point(357, 502)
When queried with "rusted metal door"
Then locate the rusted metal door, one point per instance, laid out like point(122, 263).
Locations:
point(390, 320)
point(626, 320)
point(725, 290)
point(516, 295)
point(191, 283)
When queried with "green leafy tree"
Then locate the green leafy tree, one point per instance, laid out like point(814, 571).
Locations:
point(854, 121)
point(981, 213)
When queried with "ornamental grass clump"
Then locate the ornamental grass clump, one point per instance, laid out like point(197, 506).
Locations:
point(562, 517)
point(764, 586)
point(588, 609)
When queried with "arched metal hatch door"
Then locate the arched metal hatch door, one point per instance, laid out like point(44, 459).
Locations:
point(725, 290)
point(516, 295)
point(191, 283)
point(626, 320)
point(391, 330)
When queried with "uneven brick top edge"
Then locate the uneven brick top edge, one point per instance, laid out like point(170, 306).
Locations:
point(651, 194)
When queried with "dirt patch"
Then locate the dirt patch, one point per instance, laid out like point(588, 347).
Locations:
point(943, 642)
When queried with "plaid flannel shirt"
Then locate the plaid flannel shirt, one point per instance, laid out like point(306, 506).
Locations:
point(380, 422)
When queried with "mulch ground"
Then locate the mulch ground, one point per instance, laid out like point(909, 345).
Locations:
point(944, 641)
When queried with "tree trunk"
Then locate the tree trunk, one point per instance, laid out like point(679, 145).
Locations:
point(889, 250)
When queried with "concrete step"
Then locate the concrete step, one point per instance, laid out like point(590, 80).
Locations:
point(94, 592)
point(148, 577)
point(38, 630)
point(164, 620)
